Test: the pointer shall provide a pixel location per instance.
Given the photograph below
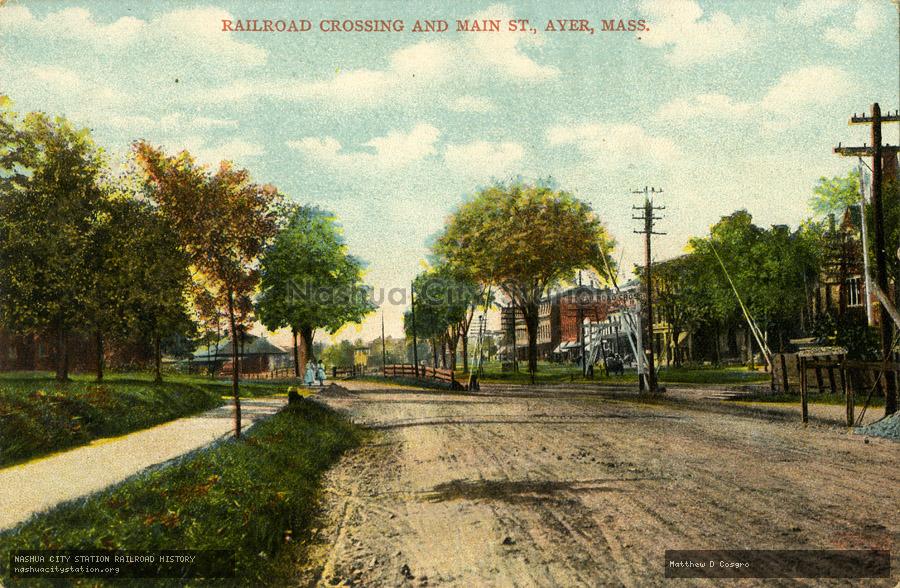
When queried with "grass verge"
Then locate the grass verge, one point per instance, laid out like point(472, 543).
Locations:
point(549, 373)
point(876, 399)
point(39, 415)
point(245, 496)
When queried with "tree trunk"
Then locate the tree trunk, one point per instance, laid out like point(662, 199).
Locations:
point(444, 352)
point(306, 345)
point(434, 353)
point(465, 352)
point(215, 362)
point(676, 352)
point(99, 339)
point(454, 343)
point(234, 367)
point(530, 313)
point(157, 356)
point(62, 354)
point(296, 354)
point(718, 350)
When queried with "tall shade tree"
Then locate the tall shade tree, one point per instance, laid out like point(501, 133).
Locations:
point(139, 274)
point(50, 193)
point(834, 195)
point(525, 238)
point(771, 269)
point(431, 313)
point(223, 221)
point(309, 280)
point(680, 297)
point(446, 298)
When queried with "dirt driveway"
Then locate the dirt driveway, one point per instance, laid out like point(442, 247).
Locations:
point(532, 487)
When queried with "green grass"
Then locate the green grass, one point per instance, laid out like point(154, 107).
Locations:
point(39, 415)
point(877, 399)
point(711, 375)
point(243, 495)
point(549, 373)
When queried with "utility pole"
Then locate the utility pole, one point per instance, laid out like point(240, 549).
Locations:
point(876, 152)
point(647, 209)
point(383, 349)
point(412, 293)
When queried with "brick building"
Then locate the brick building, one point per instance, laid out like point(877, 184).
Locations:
point(559, 316)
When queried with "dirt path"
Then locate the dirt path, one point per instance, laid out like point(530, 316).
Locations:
point(561, 488)
point(45, 482)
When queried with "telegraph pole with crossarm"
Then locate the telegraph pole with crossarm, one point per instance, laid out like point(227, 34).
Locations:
point(876, 151)
point(648, 217)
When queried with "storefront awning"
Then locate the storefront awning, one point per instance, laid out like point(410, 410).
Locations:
point(566, 346)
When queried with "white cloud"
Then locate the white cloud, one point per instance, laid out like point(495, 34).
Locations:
point(198, 31)
point(807, 86)
point(503, 52)
point(713, 105)
point(236, 150)
point(484, 158)
point(61, 81)
point(680, 27)
point(471, 104)
point(618, 145)
point(395, 150)
point(182, 34)
point(170, 123)
point(810, 12)
point(14, 18)
point(851, 21)
point(866, 22)
point(794, 92)
point(411, 71)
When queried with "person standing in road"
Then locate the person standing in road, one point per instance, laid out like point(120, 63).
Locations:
point(320, 373)
point(310, 376)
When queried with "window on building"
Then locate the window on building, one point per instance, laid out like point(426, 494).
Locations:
point(854, 292)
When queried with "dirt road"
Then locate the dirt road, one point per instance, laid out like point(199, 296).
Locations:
point(520, 487)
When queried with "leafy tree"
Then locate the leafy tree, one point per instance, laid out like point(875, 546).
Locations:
point(431, 313)
point(139, 275)
point(680, 297)
point(446, 299)
point(340, 354)
point(525, 238)
point(834, 195)
point(309, 279)
point(50, 195)
point(771, 269)
point(223, 221)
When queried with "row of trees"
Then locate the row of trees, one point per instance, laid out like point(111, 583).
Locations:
point(159, 249)
point(79, 248)
point(773, 270)
point(776, 271)
point(516, 239)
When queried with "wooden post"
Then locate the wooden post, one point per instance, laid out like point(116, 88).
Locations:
point(831, 381)
point(848, 396)
point(818, 371)
point(804, 409)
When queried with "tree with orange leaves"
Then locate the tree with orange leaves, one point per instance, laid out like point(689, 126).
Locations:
point(223, 220)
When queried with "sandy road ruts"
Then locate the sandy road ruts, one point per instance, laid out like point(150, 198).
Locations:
point(532, 487)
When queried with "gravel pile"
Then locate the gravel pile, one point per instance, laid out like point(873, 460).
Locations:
point(334, 391)
point(888, 427)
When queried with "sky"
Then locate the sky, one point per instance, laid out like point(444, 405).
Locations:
point(724, 105)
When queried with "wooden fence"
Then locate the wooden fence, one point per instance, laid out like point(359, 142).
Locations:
point(830, 374)
point(349, 371)
point(408, 370)
point(283, 373)
point(786, 373)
